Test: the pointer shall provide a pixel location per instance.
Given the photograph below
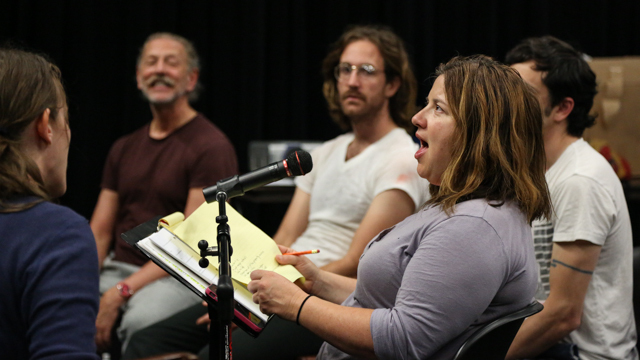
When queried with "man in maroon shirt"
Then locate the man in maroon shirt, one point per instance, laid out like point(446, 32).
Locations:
point(156, 170)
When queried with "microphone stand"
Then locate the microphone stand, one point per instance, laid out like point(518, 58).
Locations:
point(297, 163)
point(220, 329)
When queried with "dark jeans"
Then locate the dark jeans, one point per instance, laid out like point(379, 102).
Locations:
point(560, 351)
point(281, 339)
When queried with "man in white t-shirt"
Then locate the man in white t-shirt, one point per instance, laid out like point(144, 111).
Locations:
point(585, 251)
point(365, 180)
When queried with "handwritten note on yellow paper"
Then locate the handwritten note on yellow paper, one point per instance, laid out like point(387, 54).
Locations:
point(252, 248)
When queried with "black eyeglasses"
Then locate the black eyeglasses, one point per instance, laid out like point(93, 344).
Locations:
point(342, 71)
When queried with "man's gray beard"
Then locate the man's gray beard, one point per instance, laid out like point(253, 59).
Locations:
point(169, 101)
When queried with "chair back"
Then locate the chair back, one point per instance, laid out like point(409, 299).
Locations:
point(636, 287)
point(493, 340)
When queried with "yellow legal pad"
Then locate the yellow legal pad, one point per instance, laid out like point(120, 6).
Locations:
point(252, 248)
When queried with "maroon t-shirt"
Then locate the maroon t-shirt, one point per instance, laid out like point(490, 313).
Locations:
point(153, 177)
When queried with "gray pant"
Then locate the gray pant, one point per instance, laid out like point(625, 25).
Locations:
point(154, 302)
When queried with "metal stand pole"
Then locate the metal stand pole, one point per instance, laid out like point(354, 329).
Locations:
point(222, 314)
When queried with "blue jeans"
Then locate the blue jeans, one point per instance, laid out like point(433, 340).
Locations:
point(560, 351)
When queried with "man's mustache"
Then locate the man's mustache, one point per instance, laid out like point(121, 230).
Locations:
point(160, 79)
point(355, 94)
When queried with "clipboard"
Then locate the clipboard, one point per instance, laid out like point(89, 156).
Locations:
point(244, 318)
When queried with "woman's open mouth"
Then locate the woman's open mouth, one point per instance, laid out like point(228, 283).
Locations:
point(423, 148)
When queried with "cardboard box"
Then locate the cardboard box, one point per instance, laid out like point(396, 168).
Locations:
point(618, 108)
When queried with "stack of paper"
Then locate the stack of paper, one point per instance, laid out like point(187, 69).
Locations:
point(176, 245)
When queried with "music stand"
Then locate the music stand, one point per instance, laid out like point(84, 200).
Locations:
point(220, 328)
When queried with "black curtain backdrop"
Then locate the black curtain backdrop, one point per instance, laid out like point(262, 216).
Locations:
point(261, 59)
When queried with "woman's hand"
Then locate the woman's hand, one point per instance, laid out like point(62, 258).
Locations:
point(307, 268)
point(275, 294)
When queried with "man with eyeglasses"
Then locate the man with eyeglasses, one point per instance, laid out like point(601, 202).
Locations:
point(363, 182)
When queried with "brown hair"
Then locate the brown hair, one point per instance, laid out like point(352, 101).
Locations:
point(30, 85)
point(497, 148)
point(402, 105)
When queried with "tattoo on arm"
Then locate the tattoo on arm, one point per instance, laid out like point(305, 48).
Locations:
point(555, 262)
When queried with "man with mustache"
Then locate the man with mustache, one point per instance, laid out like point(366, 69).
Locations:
point(362, 182)
point(157, 170)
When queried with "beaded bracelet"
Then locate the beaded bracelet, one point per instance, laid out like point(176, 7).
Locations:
point(300, 310)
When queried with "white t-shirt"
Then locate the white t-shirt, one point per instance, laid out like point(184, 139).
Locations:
point(341, 191)
point(589, 204)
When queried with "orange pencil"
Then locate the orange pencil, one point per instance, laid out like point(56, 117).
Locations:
point(307, 252)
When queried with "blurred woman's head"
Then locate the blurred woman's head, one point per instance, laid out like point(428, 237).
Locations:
point(481, 137)
point(34, 131)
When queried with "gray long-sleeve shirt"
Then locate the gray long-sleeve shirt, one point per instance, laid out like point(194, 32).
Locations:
point(435, 279)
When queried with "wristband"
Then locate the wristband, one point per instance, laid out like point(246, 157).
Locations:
point(300, 310)
point(124, 290)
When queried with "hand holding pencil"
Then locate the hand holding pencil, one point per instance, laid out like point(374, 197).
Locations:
point(302, 263)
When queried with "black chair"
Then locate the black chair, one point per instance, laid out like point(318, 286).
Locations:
point(493, 340)
point(636, 287)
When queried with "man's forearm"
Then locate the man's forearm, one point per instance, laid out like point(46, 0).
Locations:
point(572, 266)
point(103, 221)
point(539, 332)
point(344, 266)
point(147, 274)
point(102, 246)
point(283, 240)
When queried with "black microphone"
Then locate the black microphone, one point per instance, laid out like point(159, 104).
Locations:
point(297, 163)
